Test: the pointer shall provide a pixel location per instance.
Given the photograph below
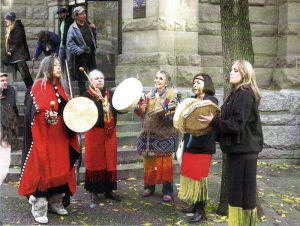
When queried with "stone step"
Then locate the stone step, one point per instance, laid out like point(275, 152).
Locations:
point(123, 138)
point(124, 171)
point(122, 126)
point(126, 154)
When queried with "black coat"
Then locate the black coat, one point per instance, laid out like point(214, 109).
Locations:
point(204, 144)
point(17, 43)
point(9, 95)
point(240, 129)
point(68, 22)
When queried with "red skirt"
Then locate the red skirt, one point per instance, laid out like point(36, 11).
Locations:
point(195, 166)
point(158, 170)
point(100, 158)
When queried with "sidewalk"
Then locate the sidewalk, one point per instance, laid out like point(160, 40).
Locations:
point(278, 186)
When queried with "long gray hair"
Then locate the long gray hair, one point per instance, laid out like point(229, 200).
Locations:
point(45, 72)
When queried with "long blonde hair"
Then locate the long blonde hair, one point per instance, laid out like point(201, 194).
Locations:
point(8, 29)
point(248, 79)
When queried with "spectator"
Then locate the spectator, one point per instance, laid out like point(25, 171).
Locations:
point(65, 22)
point(81, 46)
point(8, 129)
point(16, 48)
point(48, 42)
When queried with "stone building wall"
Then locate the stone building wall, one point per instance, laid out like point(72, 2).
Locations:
point(184, 37)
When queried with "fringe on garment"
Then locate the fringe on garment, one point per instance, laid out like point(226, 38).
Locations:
point(192, 191)
point(237, 216)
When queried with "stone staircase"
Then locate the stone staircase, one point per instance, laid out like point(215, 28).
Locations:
point(128, 128)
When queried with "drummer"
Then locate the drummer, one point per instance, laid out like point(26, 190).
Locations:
point(196, 158)
point(49, 152)
point(157, 140)
point(101, 143)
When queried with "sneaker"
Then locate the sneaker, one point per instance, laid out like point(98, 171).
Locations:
point(147, 193)
point(58, 209)
point(41, 220)
point(167, 198)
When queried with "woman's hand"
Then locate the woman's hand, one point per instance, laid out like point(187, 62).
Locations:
point(53, 114)
point(206, 119)
point(51, 117)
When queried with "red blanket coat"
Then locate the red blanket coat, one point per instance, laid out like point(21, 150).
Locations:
point(49, 160)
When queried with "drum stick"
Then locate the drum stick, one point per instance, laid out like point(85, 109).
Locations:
point(90, 80)
point(69, 81)
point(52, 103)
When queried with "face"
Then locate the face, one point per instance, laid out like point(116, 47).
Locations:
point(160, 81)
point(81, 17)
point(62, 15)
point(198, 85)
point(98, 81)
point(7, 22)
point(3, 82)
point(56, 69)
point(235, 75)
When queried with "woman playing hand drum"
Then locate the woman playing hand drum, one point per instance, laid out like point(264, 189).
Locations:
point(101, 142)
point(197, 154)
point(50, 149)
point(157, 140)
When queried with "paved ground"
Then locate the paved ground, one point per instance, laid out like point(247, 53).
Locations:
point(278, 186)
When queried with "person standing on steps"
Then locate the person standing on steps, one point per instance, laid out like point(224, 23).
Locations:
point(81, 46)
point(16, 48)
point(65, 22)
point(8, 122)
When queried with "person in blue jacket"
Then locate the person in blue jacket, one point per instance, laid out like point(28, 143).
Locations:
point(48, 42)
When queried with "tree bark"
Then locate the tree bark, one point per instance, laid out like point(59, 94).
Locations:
point(236, 44)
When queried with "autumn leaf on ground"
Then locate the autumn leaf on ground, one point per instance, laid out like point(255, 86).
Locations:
point(131, 178)
point(62, 218)
point(179, 222)
point(146, 224)
point(259, 176)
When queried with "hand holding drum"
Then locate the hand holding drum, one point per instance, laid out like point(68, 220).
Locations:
point(127, 95)
point(187, 115)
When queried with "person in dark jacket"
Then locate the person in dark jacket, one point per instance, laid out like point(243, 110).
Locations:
point(101, 143)
point(8, 124)
point(8, 93)
point(81, 46)
point(197, 156)
point(48, 43)
point(16, 48)
point(241, 137)
point(65, 22)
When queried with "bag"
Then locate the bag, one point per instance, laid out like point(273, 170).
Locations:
point(179, 152)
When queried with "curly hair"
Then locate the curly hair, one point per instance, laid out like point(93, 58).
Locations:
point(8, 124)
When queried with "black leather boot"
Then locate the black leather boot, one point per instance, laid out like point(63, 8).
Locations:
point(190, 209)
point(199, 213)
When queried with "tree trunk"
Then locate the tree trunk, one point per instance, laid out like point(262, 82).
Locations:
point(236, 44)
